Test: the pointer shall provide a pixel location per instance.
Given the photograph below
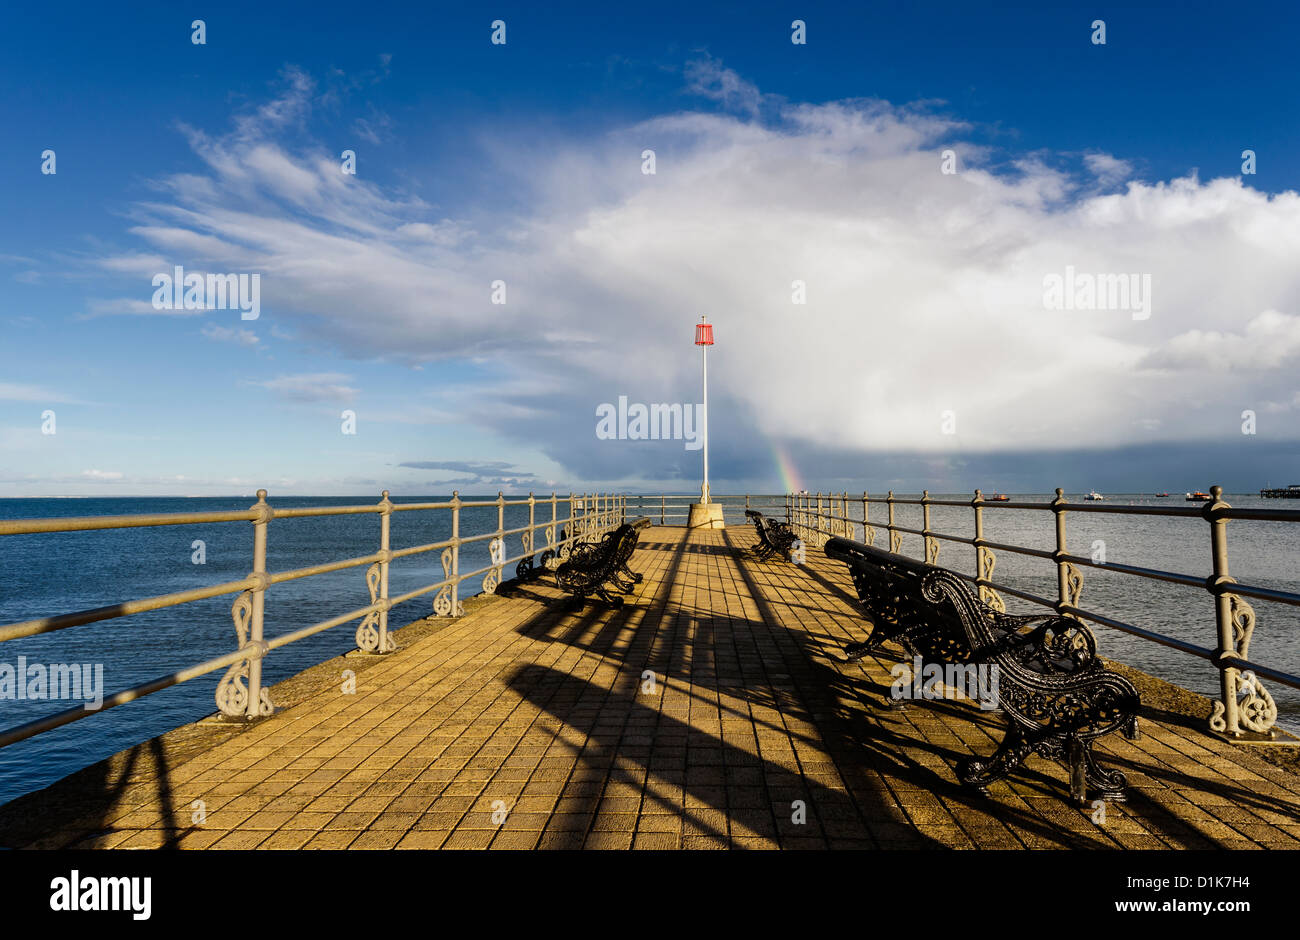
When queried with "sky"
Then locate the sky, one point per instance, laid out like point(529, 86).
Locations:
point(875, 219)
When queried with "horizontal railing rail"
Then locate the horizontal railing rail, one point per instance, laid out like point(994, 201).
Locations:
point(1244, 710)
point(666, 507)
point(240, 693)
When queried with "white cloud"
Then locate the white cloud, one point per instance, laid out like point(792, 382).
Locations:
point(312, 387)
point(1269, 341)
point(925, 290)
point(708, 78)
point(136, 307)
point(375, 128)
point(445, 233)
point(1107, 168)
point(13, 391)
point(227, 335)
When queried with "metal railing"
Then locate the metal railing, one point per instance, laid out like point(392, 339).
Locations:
point(674, 509)
point(1245, 710)
point(240, 693)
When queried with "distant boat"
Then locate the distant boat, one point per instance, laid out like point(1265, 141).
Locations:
point(997, 498)
point(1197, 497)
point(1161, 495)
point(1094, 495)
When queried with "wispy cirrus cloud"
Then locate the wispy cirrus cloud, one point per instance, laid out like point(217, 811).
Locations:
point(17, 391)
point(312, 387)
point(222, 334)
point(477, 473)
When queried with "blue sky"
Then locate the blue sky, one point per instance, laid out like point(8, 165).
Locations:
point(522, 162)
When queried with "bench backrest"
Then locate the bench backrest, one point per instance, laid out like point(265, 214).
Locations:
point(760, 526)
point(891, 587)
point(625, 539)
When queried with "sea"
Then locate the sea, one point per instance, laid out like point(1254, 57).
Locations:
point(47, 574)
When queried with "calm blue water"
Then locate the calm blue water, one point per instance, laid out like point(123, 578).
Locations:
point(42, 575)
point(55, 573)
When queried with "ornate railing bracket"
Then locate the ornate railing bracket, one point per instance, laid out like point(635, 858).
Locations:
point(232, 690)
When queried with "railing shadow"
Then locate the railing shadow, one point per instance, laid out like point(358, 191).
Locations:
point(82, 808)
point(784, 675)
point(1139, 802)
point(778, 680)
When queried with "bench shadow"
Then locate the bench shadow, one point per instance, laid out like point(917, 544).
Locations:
point(775, 672)
point(1157, 814)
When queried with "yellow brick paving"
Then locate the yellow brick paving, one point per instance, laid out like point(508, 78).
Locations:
point(711, 712)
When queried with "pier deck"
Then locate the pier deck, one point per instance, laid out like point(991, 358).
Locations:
point(548, 715)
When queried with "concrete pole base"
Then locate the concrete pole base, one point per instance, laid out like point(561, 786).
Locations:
point(705, 516)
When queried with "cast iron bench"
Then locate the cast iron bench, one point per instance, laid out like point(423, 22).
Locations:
point(774, 538)
point(591, 565)
point(1055, 693)
point(532, 567)
point(624, 576)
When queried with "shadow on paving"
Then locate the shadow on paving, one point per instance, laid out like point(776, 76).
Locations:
point(769, 667)
point(774, 671)
point(746, 717)
point(85, 803)
point(1155, 813)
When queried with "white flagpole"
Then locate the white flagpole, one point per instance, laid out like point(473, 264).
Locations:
point(704, 491)
point(705, 514)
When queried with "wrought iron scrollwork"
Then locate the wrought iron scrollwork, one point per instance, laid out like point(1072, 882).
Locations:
point(527, 565)
point(368, 632)
point(931, 550)
point(497, 552)
point(1073, 584)
point(442, 601)
point(232, 690)
point(987, 562)
point(895, 542)
point(1256, 710)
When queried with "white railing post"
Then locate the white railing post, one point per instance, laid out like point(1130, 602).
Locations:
point(455, 552)
point(1245, 710)
point(895, 538)
point(531, 547)
point(257, 645)
point(929, 544)
point(385, 556)
point(497, 549)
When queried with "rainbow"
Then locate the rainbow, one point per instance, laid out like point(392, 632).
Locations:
point(785, 466)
